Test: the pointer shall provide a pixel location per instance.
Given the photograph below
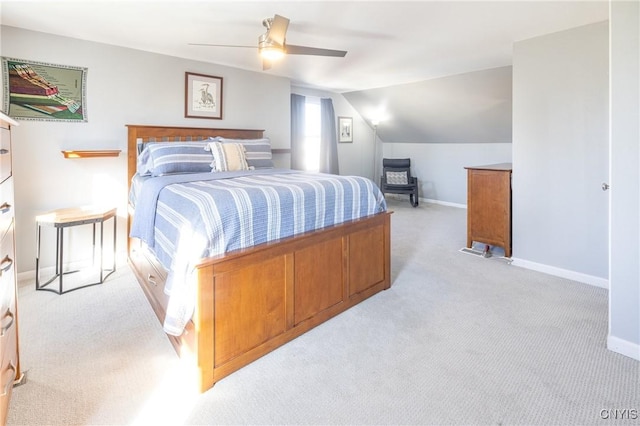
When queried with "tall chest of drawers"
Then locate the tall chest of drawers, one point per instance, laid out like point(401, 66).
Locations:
point(489, 205)
point(9, 359)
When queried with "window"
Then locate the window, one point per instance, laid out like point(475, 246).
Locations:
point(312, 134)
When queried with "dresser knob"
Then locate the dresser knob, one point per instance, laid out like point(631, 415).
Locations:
point(5, 265)
point(9, 384)
point(4, 329)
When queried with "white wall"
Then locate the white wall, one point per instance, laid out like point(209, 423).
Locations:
point(624, 290)
point(124, 86)
point(440, 166)
point(560, 151)
point(442, 124)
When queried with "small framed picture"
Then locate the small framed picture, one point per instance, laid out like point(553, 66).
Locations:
point(203, 96)
point(345, 129)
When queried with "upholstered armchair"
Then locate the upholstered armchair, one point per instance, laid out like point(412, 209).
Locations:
point(396, 178)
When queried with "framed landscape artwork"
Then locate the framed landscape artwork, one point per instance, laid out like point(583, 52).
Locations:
point(203, 96)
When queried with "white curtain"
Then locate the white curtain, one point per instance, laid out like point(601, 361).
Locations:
point(297, 131)
point(328, 138)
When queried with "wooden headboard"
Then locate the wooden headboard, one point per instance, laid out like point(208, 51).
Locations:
point(176, 134)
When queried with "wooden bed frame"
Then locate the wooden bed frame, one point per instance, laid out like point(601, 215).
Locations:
point(254, 300)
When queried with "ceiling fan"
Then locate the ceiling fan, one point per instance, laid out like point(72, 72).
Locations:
point(272, 44)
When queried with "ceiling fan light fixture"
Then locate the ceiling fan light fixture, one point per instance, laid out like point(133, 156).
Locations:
point(268, 49)
point(272, 45)
point(271, 53)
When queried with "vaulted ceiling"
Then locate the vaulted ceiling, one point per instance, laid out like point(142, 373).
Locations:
point(388, 42)
point(438, 71)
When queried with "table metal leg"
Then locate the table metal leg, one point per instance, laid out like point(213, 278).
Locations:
point(57, 249)
point(38, 257)
point(115, 232)
point(60, 238)
point(59, 261)
point(93, 253)
point(101, 248)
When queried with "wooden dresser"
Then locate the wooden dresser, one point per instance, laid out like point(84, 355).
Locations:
point(9, 360)
point(489, 205)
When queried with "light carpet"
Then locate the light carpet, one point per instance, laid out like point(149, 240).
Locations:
point(458, 339)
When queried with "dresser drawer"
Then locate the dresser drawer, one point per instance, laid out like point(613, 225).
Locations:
point(7, 212)
point(7, 273)
point(8, 323)
point(8, 332)
point(5, 154)
point(152, 272)
point(8, 369)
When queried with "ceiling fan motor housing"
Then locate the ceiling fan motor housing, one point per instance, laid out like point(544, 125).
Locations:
point(264, 42)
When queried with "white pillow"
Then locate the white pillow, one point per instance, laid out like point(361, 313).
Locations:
point(397, 178)
point(228, 157)
point(257, 151)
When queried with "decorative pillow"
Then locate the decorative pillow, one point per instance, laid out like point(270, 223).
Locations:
point(228, 157)
point(397, 178)
point(257, 151)
point(163, 158)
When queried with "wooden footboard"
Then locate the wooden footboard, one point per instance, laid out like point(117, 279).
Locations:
point(255, 300)
point(252, 301)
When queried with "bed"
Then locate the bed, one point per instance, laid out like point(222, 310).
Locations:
point(248, 301)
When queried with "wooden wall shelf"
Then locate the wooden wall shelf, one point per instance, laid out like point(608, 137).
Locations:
point(91, 153)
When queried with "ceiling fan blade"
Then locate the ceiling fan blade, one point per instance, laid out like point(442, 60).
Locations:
point(305, 50)
point(219, 45)
point(278, 30)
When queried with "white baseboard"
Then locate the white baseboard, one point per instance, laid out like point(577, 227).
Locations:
point(26, 275)
point(121, 261)
point(562, 273)
point(623, 347)
point(443, 203)
point(426, 200)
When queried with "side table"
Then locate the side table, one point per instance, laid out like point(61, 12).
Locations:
point(65, 218)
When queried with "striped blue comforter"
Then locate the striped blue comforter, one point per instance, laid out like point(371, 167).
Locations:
point(184, 218)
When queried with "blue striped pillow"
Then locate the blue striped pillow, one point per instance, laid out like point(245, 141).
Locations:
point(164, 158)
point(256, 151)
